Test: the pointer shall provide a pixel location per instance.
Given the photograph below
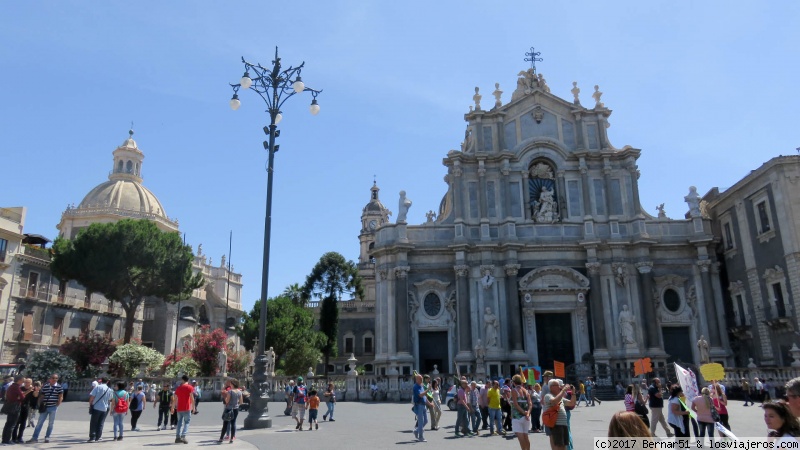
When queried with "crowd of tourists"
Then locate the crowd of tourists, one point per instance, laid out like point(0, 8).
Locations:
point(25, 399)
point(301, 399)
point(710, 407)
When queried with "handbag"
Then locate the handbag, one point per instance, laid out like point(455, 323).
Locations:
point(11, 408)
point(550, 416)
point(227, 415)
point(640, 409)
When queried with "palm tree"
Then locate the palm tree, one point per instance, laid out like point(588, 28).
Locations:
point(332, 277)
point(294, 293)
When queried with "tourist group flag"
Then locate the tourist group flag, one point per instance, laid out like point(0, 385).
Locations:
point(533, 374)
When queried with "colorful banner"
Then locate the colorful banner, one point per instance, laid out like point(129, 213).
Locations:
point(688, 382)
point(642, 366)
point(558, 369)
point(533, 374)
point(712, 371)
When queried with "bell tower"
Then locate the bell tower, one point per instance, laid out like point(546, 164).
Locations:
point(373, 216)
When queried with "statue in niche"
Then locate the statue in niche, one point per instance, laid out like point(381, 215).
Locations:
point(702, 350)
point(626, 326)
point(492, 325)
point(546, 208)
point(403, 206)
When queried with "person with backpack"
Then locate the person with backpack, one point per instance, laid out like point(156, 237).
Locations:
point(164, 399)
point(299, 403)
point(138, 402)
point(120, 404)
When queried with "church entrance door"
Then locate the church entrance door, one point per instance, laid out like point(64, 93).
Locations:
point(554, 339)
point(433, 350)
point(678, 345)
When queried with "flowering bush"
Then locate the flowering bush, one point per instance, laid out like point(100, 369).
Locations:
point(238, 361)
point(89, 351)
point(186, 365)
point(128, 358)
point(45, 363)
point(207, 346)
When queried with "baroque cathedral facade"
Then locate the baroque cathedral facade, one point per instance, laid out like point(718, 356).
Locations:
point(540, 252)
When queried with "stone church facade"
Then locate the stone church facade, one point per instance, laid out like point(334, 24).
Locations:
point(540, 252)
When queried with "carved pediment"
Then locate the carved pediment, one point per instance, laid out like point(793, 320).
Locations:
point(554, 279)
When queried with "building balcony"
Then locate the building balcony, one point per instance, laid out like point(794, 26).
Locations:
point(37, 252)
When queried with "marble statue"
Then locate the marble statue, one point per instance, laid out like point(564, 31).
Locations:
point(480, 351)
point(270, 355)
point(596, 96)
point(477, 98)
point(576, 92)
point(626, 326)
point(222, 261)
point(693, 200)
point(492, 325)
point(497, 93)
point(222, 362)
point(661, 213)
point(542, 83)
point(546, 208)
point(430, 216)
point(403, 207)
point(199, 249)
point(468, 143)
point(702, 350)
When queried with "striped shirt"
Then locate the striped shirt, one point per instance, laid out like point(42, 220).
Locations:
point(49, 394)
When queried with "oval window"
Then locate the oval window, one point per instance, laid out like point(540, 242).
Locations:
point(672, 301)
point(432, 304)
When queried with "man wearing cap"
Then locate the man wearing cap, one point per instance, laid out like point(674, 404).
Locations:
point(197, 394)
point(299, 403)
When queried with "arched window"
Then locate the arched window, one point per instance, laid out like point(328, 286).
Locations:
point(129, 167)
point(119, 166)
point(137, 169)
point(371, 247)
point(203, 316)
point(230, 323)
point(187, 312)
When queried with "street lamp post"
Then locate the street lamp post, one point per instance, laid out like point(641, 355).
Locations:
point(274, 86)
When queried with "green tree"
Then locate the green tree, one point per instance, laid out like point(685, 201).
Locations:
point(330, 279)
point(290, 333)
point(129, 358)
point(187, 366)
point(295, 293)
point(127, 261)
point(47, 362)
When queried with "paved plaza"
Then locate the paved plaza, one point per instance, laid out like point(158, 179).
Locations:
point(357, 425)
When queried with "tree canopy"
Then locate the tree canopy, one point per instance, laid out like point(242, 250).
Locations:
point(127, 261)
point(290, 333)
point(331, 278)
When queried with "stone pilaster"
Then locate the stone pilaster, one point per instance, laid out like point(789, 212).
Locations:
point(526, 194)
point(646, 279)
point(709, 303)
point(462, 302)
point(596, 305)
point(767, 358)
point(401, 309)
point(514, 313)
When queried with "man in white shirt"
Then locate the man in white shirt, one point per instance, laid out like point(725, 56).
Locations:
point(759, 390)
point(98, 406)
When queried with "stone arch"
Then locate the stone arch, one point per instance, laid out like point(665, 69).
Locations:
point(129, 166)
point(554, 279)
point(119, 166)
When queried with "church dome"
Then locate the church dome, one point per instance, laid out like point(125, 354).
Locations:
point(123, 195)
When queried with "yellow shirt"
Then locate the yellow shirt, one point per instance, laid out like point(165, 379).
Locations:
point(581, 389)
point(494, 398)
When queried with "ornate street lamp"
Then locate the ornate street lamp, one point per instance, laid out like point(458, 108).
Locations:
point(274, 85)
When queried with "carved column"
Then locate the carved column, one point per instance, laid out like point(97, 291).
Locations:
point(596, 305)
point(482, 188)
point(401, 308)
point(514, 316)
point(463, 318)
point(455, 185)
point(504, 191)
point(526, 193)
point(633, 169)
point(710, 304)
point(587, 200)
point(650, 324)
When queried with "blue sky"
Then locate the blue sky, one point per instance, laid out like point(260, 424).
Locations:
point(707, 90)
